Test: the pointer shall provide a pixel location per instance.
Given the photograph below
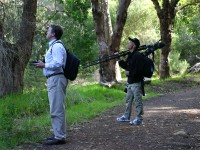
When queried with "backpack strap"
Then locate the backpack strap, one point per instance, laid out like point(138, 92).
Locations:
point(153, 56)
point(60, 43)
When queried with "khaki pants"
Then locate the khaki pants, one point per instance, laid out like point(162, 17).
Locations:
point(56, 86)
point(134, 91)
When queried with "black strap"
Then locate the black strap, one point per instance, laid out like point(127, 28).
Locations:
point(142, 84)
point(60, 43)
point(63, 46)
point(54, 74)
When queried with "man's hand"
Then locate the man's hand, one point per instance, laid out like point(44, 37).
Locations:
point(127, 73)
point(39, 64)
point(117, 54)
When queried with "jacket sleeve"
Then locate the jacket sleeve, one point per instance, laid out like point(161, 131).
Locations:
point(123, 64)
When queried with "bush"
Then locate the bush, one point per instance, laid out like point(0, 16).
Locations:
point(177, 66)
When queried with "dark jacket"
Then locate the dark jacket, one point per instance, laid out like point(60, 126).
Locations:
point(134, 64)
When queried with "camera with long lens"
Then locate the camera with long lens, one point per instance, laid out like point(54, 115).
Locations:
point(153, 47)
point(149, 49)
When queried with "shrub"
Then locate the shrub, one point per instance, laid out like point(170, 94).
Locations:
point(177, 66)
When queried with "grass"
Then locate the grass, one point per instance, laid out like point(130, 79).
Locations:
point(25, 118)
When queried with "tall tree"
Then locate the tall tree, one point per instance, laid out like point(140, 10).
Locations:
point(166, 15)
point(108, 40)
point(14, 57)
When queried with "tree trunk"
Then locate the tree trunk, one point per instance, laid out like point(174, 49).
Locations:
point(108, 41)
point(118, 30)
point(165, 31)
point(98, 15)
point(166, 16)
point(15, 57)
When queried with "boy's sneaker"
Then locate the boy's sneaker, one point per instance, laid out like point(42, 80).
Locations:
point(136, 122)
point(123, 119)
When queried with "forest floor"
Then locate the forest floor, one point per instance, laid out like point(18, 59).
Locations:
point(171, 122)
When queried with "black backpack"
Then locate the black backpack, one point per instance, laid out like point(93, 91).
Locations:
point(148, 67)
point(71, 66)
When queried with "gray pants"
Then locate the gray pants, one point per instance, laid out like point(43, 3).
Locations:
point(56, 93)
point(134, 91)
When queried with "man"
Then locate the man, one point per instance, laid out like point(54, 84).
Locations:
point(133, 66)
point(55, 59)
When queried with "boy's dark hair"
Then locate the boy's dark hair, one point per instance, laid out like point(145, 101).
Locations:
point(57, 30)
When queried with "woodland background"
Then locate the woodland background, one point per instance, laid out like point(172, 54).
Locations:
point(97, 32)
point(92, 29)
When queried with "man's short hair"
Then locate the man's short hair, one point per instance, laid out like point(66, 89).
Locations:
point(57, 30)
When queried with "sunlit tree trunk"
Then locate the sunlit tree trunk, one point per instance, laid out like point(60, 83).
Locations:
point(118, 30)
point(15, 57)
point(166, 14)
point(108, 41)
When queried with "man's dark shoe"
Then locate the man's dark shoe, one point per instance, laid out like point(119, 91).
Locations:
point(50, 138)
point(55, 141)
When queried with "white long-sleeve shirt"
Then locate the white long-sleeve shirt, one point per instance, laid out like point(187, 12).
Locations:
point(55, 58)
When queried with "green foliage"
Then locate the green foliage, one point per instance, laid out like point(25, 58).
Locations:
point(142, 22)
point(14, 110)
point(25, 118)
point(79, 32)
point(6, 121)
point(77, 9)
point(187, 33)
point(177, 66)
point(26, 105)
point(80, 39)
point(34, 79)
point(10, 18)
point(79, 36)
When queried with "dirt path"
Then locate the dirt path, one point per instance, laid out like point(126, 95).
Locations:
point(171, 122)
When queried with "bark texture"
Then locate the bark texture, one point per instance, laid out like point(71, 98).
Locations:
point(166, 15)
point(14, 57)
point(108, 40)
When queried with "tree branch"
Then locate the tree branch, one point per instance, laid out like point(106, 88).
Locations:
point(197, 57)
point(119, 24)
point(186, 5)
point(56, 11)
point(174, 3)
point(157, 5)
